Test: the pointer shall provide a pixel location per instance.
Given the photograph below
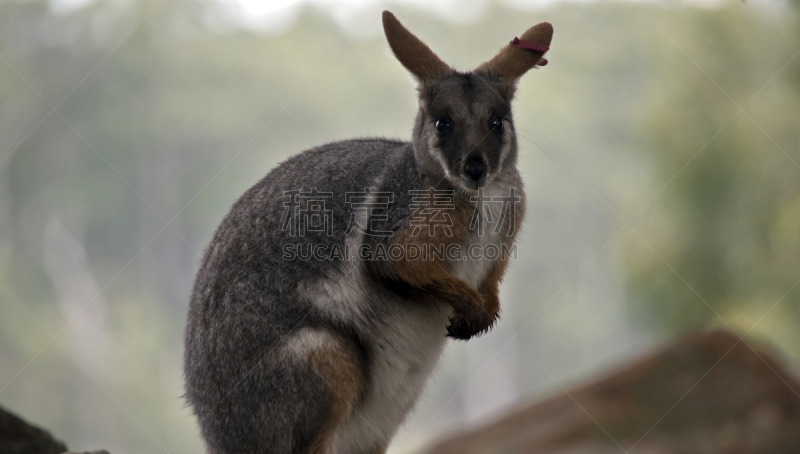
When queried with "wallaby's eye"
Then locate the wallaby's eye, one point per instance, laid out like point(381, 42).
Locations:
point(496, 124)
point(443, 126)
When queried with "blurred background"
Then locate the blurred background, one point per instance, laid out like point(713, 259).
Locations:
point(660, 149)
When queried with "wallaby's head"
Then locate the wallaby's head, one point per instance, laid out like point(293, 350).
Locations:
point(464, 131)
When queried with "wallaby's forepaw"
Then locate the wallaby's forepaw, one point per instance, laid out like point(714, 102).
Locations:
point(463, 329)
point(458, 328)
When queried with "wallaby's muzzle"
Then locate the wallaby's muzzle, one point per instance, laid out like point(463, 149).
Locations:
point(475, 169)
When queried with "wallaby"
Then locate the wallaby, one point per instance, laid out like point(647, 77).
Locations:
point(326, 295)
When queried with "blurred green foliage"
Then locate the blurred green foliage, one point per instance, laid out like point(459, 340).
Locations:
point(660, 148)
point(722, 244)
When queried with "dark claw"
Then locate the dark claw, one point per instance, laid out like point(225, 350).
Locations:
point(459, 329)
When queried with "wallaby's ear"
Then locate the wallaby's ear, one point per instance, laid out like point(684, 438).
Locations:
point(522, 54)
point(418, 58)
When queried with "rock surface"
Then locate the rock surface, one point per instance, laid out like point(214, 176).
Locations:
point(19, 437)
point(707, 393)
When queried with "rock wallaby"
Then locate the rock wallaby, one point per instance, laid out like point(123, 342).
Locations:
point(326, 295)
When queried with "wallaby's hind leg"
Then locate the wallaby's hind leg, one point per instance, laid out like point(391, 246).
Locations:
point(336, 361)
point(276, 408)
point(291, 401)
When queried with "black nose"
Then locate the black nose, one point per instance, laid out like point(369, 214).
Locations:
point(475, 168)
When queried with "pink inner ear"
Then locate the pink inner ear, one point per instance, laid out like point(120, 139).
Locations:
point(530, 45)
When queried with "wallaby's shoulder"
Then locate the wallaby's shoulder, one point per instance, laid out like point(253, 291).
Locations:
point(338, 167)
point(341, 157)
point(256, 225)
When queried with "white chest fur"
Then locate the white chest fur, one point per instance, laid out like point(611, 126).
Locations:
point(484, 243)
point(405, 345)
point(405, 351)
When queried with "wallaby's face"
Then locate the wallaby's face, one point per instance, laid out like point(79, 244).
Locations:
point(464, 130)
point(464, 126)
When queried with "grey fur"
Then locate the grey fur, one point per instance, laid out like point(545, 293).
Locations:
point(250, 389)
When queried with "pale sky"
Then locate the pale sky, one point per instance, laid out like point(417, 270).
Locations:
point(275, 15)
point(278, 15)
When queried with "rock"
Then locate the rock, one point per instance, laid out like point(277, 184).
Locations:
point(708, 393)
point(19, 437)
